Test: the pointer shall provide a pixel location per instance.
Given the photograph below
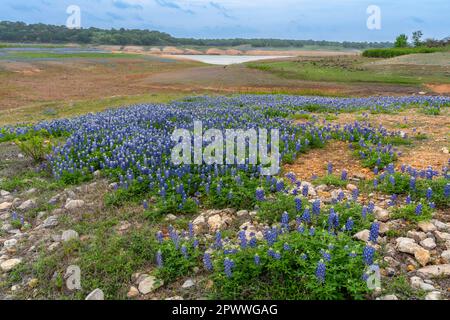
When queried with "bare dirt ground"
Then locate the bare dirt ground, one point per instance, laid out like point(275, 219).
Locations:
point(24, 83)
point(420, 154)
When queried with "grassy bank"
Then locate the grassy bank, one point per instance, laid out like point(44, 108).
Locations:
point(395, 52)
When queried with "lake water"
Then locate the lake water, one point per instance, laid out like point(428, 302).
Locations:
point(226, 59)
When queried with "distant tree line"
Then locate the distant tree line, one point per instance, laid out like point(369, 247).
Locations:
point(44, 33)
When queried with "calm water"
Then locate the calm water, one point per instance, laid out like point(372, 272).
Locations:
point(227, 60)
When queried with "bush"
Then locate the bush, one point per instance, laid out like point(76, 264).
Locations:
point(35, 147)
point(394, 52)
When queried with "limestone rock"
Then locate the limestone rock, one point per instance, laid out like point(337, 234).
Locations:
point(74, 204)
point(69, 235)
point(435, 271)
point(10, 264)
point(149, 284)
point(428, 243)
point(96, 294)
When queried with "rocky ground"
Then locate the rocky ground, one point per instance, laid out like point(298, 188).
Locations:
point(419, 252)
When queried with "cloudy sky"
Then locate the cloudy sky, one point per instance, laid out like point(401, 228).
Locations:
point(286, 19)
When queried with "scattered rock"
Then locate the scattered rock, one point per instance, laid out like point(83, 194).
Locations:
point(442, 236)
point(435, 271)
point(5, 206)
point(133, 292)
point(428, 243)
point(10, 264)
point(362, 235)
point(199, 224)
point(189, 283)
point(171, 217)
point(69, 235)
point(74, 204)
point(426, 226)
point(445, 255)
point(422, 256)
point(441, 226)
point(33, 283)
point(381, 214)
point(11, 243)
point(445, 150)
point(351, 187)
point(149, 284)
point(27, 205)
point(388, 297)
point(406, 245)
point(434, 295)
point(418, 283)
point(97, 294)
point(416, 235)
point(50, 222)
point(174, 298)
point(4, 193)
point(242, 213)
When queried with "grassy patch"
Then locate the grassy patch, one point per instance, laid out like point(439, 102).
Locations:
point(395, 52)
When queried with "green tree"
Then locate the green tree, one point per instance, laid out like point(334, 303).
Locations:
point(417, 36)
point(401, 41)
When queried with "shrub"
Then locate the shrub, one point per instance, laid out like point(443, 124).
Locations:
point(394, 52)
point(35, 147)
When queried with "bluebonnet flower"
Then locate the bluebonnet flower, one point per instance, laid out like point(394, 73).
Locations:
point(184, 251)
point(352, 254)
point(218, 240)
point(447, 190)
point(242, 239)
point(368, 255)
point(257, 259)
point(333, 220)
point(298, 204)
point(191, 230)
point(364, 211)
point(355, 194)
point(431, 205)
point(371, 207)
point(312, 231)
point(260, 194)
point(207, 261)
point(408, 199)
point(305, 190)
point(412, 183)
point(285, 219)
point(326, 255)
point(279, 185)
point(429, 194)
point(344, 175)
point(195, 243)
point(375, 183)
point(375, 170)
point(271, 236)
point(330, 168)
point(301, 228)
point(392, 180)
point(374, 232)
point(418, 210)
point(306, 216)
point(316, 207)
point(228, 267)
point(286, 247)
point(159, 259)
point(304, 256)
point(145, 204)
point(349, 224)
point(252, 242)
point(160, 237)
point(321, 271)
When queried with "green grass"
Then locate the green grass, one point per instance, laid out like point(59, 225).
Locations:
point(347, 70)
point(395, 52)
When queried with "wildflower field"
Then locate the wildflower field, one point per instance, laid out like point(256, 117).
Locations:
point(160, 230)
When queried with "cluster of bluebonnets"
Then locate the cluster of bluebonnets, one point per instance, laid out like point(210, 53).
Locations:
point(133, 146)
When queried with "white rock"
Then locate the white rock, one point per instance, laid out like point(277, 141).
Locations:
point(381, 214)
point(5, 206)
point(97, 294)
point(426, 226)
point(362, 235)
point(434, 295)
point(27, 205)
point(50, 222)
point(388, 297)
point(442, 236)
point(189, 283)
point(149, 284)
point(11, 243)
point(351, 187)
point(10, 264)
point(418, 283)
point(435, 270)
point(133, 292)
point(416, 235)
point(4, 193)
point(406, 245)
point(242, 213)
point(441, 225)
point(199, 224)
point(428, 243)
point(171, 217)
point(74, 204)
point(445, 150)
point(215, 223)
point(445, 255)
point(69, 235)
